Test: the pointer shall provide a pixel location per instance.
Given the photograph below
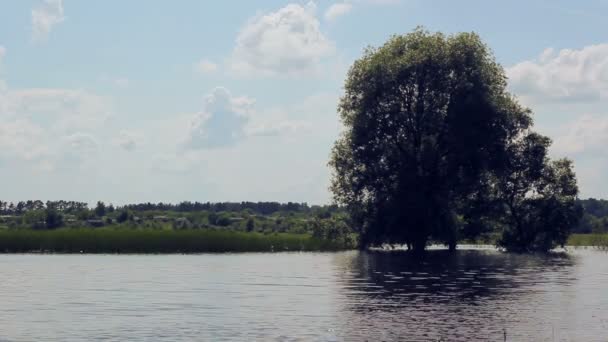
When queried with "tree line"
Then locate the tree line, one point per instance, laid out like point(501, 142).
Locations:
point(73, 207)
point(595, 216)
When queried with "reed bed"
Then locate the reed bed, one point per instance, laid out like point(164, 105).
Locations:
point(157, 241)
point(590, 240)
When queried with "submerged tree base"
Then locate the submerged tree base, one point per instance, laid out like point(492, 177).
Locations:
point(158, 241)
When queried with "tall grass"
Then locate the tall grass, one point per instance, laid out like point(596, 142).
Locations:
point(156, 241)
point(591, 240)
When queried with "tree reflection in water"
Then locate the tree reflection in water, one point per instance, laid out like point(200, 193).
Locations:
point(463, 295)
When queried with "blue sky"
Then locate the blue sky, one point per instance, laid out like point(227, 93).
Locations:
point(131, 101)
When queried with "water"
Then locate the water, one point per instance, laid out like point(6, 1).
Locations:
point(472, 295)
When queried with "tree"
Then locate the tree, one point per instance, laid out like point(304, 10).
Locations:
point(429, 125)
point(53, 219)
point(213, 218)
point(100, 209)
point(250, 224)
point(539, 197)
point(123, 216)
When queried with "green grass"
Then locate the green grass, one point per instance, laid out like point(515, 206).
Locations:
point(593, 240)
point(105, 240)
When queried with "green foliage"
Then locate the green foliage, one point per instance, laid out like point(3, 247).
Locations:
point(212, 218)
point(100, 209)
point(35, 219)
point(123, 216)
point(53, 219)
point(334, 229)
point(223, 220)
point(540, 200)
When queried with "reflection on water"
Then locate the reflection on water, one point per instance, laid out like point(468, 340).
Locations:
point(470, 295)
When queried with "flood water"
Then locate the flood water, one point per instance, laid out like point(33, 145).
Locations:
point(348, 296)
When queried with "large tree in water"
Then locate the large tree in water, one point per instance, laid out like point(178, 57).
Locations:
point(428, 142)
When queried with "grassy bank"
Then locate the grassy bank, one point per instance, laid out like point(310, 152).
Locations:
point(156, 241)
point(593, 240)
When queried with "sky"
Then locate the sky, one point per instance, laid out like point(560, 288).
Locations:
point(137, 101)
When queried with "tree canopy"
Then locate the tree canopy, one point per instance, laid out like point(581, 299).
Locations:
point(435, 148)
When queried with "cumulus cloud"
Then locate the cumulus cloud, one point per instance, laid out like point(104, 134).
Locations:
point(288, 41)
point(566, 75)
point(205, 67)
point(39, 127)
point(220, 123)
point(338, 9)
point(225, 120)
point(21, 140)
point(587, 135)
point(44, 17)
point(58, 109)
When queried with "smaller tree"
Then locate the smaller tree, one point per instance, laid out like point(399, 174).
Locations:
point(223, 221)
point(539, 197)
point(100, 209)
point(212, 218)
point(53, 219)
point(123, 216)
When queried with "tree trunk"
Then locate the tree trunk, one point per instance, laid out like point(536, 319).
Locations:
point(452, 245)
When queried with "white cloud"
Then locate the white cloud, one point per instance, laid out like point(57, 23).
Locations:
point(343, 7)
point(41, 127)
point(220, 123)
point(338, 9)
point(567, 75)
point(81, 144)
point(226, 120)
point(587, 135)
point(21, 140)
point(272, 129)
point(57, 109)
point(205, 67)
point(286, 42)
point(44, 17)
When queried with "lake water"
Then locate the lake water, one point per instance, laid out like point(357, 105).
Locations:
point(347, 296)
